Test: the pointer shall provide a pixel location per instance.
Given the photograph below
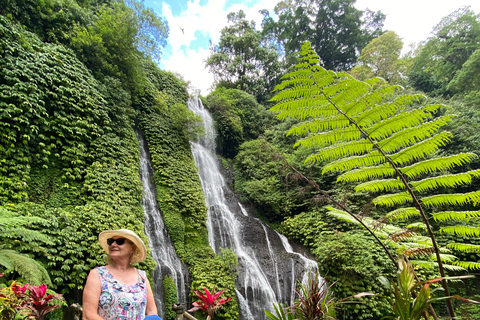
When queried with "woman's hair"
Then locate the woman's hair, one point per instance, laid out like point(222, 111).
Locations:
point(109, 260)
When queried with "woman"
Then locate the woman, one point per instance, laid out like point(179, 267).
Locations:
point(119, 290)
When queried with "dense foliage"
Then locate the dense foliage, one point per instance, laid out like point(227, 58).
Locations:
point(76, 78)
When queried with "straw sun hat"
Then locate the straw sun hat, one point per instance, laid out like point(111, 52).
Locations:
point(140, 252)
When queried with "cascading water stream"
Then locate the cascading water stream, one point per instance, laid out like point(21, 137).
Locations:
point(268, 271)
point(163, 252)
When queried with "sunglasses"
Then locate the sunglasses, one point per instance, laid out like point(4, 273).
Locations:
point(119, 241)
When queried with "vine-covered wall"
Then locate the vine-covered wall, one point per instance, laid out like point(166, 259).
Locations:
point(69, 155)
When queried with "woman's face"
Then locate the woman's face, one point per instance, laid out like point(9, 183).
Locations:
point(116, 250)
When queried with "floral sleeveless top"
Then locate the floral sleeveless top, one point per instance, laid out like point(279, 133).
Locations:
point(122, 301)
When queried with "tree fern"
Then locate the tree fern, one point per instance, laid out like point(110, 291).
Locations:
point(16, 238)
point(29, 269)
point(373, 134)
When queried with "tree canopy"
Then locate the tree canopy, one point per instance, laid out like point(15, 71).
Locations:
point(243, 59)
point(337, 30)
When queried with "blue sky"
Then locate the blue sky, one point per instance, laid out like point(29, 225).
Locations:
point(202, 20)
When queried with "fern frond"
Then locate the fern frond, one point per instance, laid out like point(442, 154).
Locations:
point(402, 214)
point(417, 226)
point(419, 252)
point(314, 107)
point(380, 185)
point(464, 247)
point(450, 180)
point(452, 199)
point(401, 235)
point(392, 124)
point(340, 214)
point(298, 92)
point(454, 267)
point(424, 264)
point(369, 100)
point(468, 265)
point(462, 230)
point(346, 91)
point(389, 200)
point(409, 136)
point(330, 123)
point(421, 149)
point(341, 150)
point(455, 215)
point(26, 235)
point(31, 270)
point(330, 137)
point(370, 159)
point(367, 173)
point(437, 164)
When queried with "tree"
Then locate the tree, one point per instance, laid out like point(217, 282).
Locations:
point(381, 58)
point(337, 30)
point(454, 40)
point(237, 116)
point(370, 136)
point(243, 59)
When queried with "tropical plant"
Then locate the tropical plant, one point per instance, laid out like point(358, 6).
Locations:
point(16, 237)
point(37, 302)
point(208, 303)
point(412, 298)
point(10, 299)
point(315, 301)
point(385, 141)
point(31, 302)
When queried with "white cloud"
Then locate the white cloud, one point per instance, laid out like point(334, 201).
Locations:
point(209, 20)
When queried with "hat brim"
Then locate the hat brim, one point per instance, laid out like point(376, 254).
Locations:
point(140, 252)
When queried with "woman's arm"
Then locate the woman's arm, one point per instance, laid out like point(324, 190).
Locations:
point(151, 307)
point(91, 296)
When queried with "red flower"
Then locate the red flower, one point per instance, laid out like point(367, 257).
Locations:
point(208, 304)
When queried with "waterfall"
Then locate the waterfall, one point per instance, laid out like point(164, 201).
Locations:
point(163, 252)
point(268, 271)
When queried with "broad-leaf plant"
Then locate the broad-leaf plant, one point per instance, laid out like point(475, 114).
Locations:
point(387, 143)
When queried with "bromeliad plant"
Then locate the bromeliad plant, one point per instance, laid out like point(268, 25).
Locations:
point(384, 141)
point(208, 303)
point(413, 298)
point(314, 301)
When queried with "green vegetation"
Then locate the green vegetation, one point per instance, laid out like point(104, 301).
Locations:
point(76, 78)
point(78, 75)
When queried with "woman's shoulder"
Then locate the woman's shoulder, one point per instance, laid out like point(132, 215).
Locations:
point(142, 273)
point(100, 269)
